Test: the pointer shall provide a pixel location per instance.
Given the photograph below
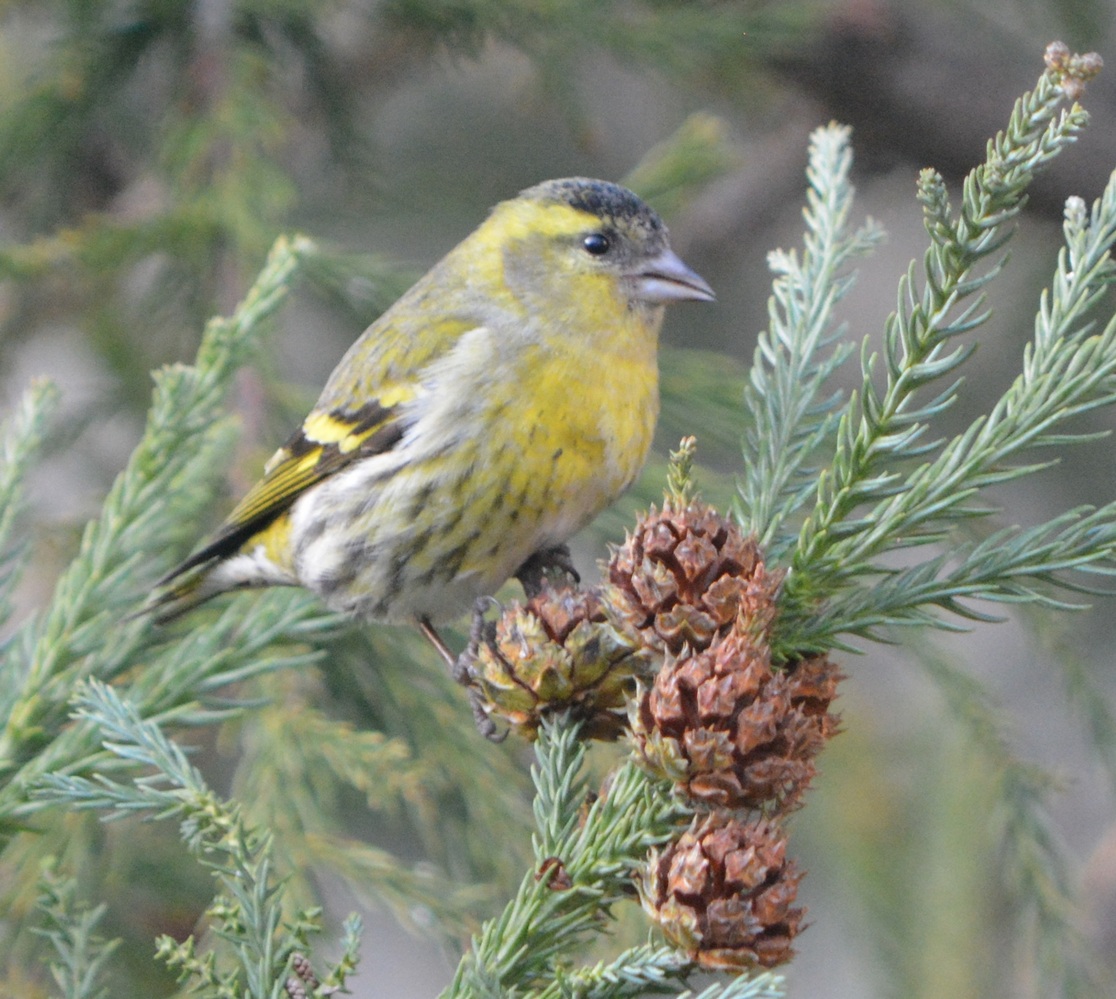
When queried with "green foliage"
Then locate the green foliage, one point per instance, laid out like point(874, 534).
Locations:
point(871, 499)
point(70, 926)
point(800, 351)
point(680, 38)
point(671, 173)
point(21, 438)
point(1036, 868)
point(51, 654)
point(143, 197)
point(246, 914)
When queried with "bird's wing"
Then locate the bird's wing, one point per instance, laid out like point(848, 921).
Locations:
point(325, 443)
point(396, 351)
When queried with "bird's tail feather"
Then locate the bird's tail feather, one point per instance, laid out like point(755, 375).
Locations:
point(177, 594)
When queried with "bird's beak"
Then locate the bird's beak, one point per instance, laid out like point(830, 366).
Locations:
point(664, 278)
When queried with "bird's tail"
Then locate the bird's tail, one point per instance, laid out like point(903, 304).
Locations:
point(218, 567)
point(179, 592)
point(177, 600)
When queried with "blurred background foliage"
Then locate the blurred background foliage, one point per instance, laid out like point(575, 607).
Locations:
point(150, 153)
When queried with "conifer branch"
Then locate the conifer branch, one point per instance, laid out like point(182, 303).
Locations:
point(299, 767)
point(919, 339)
point(178, 688)
point(650, 970)
point(1087, 696)
point(248, 913)
point(800, 350)
point(21, 437)
point(872, 500)
point(186, 421)
point(1012, 565)
point(672, 172)
point(71, 927)
point(412, 698)
point(867, 505)
point(1036, 868)
point(584, 862)
point(179, 455)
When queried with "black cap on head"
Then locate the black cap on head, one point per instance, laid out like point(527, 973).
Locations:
point(601, 198)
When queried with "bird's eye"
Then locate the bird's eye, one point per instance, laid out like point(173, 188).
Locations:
point(596, 243)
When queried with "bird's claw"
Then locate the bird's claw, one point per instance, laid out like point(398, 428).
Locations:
point(461, 666)
point(535, 572)
point(483, 720)
point(464, 673)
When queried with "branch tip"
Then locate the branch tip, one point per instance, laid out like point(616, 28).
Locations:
point(1072, 71)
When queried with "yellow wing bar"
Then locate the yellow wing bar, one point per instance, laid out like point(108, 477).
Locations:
point(324, 444)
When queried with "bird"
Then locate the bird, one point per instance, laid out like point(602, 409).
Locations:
point(500, 404)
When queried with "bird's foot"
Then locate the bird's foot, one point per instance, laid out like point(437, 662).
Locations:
point(461, 666)
point(535, 573)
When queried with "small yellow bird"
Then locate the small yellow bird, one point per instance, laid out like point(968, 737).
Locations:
point(501, 403)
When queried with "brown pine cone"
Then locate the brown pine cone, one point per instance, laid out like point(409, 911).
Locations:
point(733, 732)
point(559, 651)
point(724, 892)
point(683, 576)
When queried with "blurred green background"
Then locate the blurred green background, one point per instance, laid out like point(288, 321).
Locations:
point(150, 152)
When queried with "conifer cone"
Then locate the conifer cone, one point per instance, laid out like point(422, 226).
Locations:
point(559, 651)
point(731, 731)
point(683, 576)
point(725, 891)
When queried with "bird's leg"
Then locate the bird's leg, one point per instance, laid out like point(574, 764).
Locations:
point(460, 667)
point(435, 639)
point(534, 572)
point(533, 575)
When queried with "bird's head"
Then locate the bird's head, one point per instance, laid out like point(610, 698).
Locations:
point(565, 239)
